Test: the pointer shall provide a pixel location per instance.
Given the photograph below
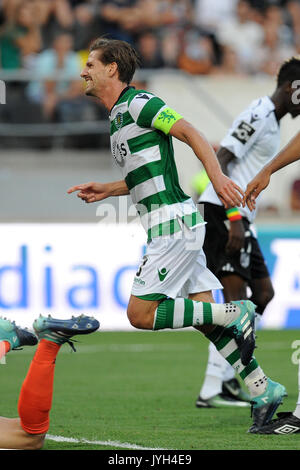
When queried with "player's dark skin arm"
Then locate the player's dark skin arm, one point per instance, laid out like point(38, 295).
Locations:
point(225, 157)
point(236, 234)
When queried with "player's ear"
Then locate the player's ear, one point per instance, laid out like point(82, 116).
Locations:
point(112, 69)
point(288, 88)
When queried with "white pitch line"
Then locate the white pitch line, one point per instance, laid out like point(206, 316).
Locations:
point(122, 445)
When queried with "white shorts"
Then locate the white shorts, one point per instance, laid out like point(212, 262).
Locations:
point(175, 266)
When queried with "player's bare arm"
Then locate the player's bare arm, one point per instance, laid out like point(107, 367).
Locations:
point(228, 192)
point(289, 154)
point(93, 192)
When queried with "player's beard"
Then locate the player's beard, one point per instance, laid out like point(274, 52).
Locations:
point(89, 92)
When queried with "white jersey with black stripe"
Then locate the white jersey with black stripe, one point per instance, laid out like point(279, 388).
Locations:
point(254, 139)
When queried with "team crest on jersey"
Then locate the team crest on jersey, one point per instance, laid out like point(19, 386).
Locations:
point(119, 120)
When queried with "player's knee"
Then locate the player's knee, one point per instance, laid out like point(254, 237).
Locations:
point(264, 297)
point(138, 319)
point(269, 295)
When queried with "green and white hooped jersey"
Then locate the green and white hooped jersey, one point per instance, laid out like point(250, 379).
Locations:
point(142, 147)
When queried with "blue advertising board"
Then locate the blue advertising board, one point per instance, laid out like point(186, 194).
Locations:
point(64, 269)
point(281, 248)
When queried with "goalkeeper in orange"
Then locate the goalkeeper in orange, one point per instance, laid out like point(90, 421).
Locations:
point(28, 431)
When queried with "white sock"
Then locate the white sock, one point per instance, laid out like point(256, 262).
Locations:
point(256, 382)
point(216, 365)
point(212, 386)
point(229, 373)
point(223, 314)
point(297, 409)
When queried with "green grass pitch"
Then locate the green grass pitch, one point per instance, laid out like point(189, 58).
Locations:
point(140, 388)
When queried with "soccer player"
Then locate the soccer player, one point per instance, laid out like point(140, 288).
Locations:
point(172, 287)
point(289, 154)
point(29, 430)
point(287, 422)
point(231, 247)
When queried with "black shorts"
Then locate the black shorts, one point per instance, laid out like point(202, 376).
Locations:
point(248, 263)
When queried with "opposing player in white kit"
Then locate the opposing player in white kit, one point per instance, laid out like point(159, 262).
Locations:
point(232, 250)
point(286, 422)
point(172, 288)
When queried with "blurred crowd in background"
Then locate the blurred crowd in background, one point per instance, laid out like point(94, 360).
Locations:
point(48, 39)
point(232, 37)
point(199, 36)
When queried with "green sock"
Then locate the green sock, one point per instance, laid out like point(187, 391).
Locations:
point(252, 374)
point(181, 313)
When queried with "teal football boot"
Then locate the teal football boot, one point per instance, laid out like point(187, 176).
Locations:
point(61, 331)
point(265, 405)
point(16, 336)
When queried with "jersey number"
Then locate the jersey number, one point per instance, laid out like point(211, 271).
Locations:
point(144, 261)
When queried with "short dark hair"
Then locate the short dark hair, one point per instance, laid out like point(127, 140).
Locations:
point(289, 71)
point(121, 52)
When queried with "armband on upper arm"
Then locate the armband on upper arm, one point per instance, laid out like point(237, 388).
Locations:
point(165, 119)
